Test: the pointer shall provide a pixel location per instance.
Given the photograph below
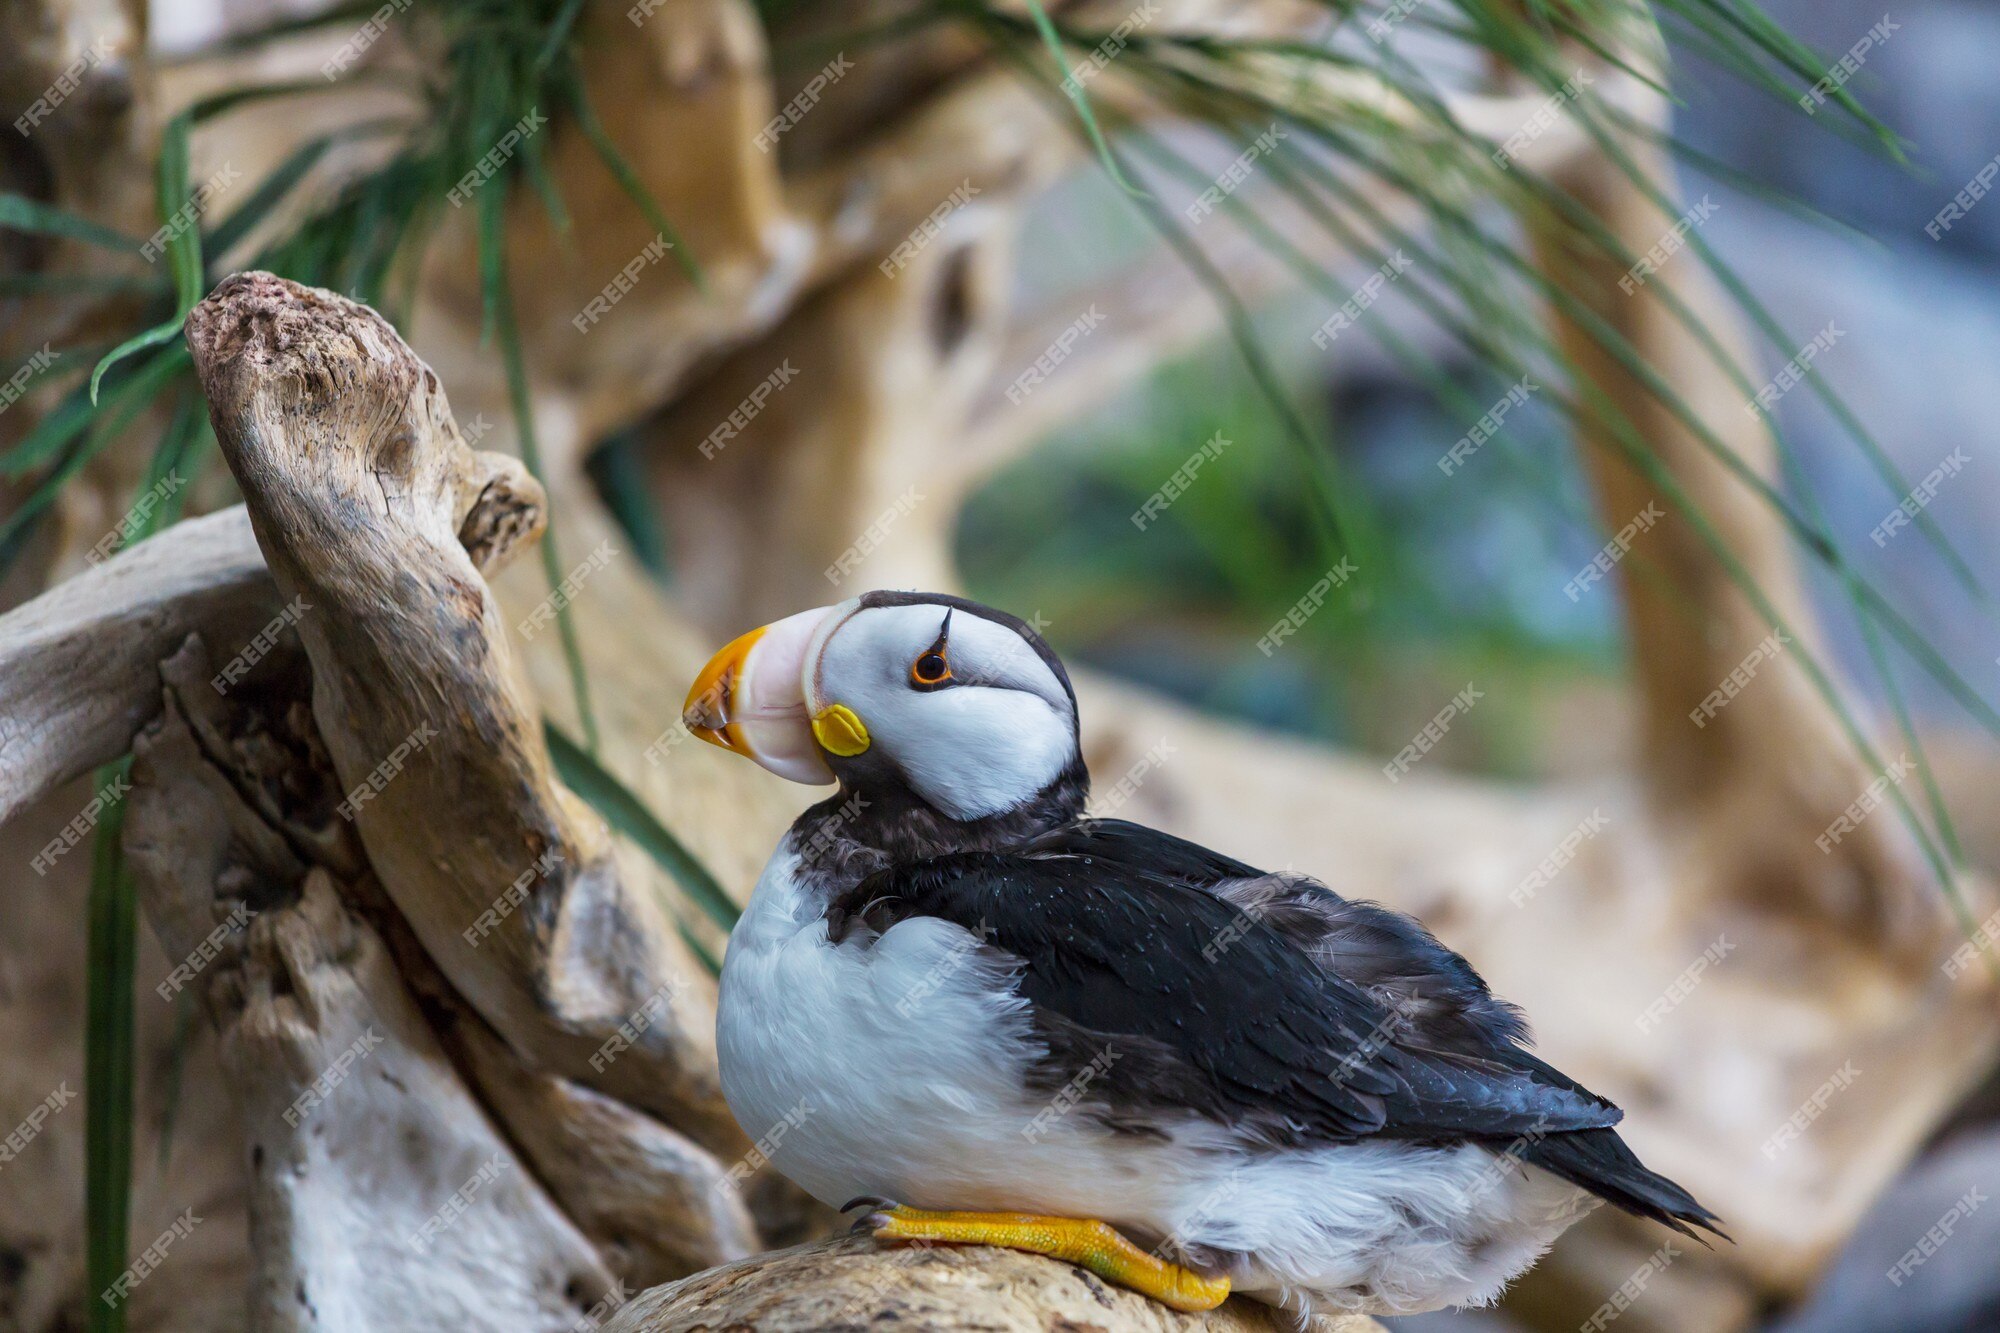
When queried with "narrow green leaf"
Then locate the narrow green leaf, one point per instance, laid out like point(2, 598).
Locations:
point(93, 284)
point(534, 165)
point(72, 418)
point(491, 256)
point(499, 299)
point(619, 471)
point(62, 424)
point(625, 812)
point(174, 189)
point(228, 100)
point(1948, 860)
point(271, 191)
point(108, 426)
point(20, 213)
point(175, 446)
point(174, 192)
point(1760, 29)
point(290, 27)
point(558, 36)
point(1073, 89)
point(628, 181)
point(1337, 521)
point(702, 952)
point(153, 337)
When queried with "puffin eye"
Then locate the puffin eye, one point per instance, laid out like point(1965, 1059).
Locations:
point(932, 669)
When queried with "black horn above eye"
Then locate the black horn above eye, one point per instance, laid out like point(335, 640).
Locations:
point(884, 597)
point(932, 669)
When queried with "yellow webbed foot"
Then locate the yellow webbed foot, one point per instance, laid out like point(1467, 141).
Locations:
point(1080, 1241)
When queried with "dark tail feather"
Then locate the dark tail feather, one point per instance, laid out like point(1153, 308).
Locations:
point(1599, 1161)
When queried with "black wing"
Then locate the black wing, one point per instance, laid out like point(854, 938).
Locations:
point(1133, 958)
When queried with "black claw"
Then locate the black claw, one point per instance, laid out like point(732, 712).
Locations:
point(871, 1200)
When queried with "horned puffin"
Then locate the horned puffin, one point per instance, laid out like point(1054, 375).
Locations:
point(989, 1018)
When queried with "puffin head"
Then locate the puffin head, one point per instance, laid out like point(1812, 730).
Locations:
point(963, 705)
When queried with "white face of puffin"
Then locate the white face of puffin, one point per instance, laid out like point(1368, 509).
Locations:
point(962, 708)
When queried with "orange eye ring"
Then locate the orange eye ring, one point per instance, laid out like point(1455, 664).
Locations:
point(930, 670)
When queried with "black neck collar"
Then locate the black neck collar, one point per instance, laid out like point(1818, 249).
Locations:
point(862, 829)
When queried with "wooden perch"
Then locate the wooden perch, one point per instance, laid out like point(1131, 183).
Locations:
point(855, 1284)
point(371, 510)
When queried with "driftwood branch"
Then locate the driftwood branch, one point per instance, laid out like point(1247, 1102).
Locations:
point(77, 672)
point(371, 512)
point(853, 1284)
point(360, 1135)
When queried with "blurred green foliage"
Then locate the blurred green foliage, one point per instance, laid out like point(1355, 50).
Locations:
point(1463, 580)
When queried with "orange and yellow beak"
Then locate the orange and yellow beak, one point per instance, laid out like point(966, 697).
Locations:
point(751, 699)
point(707, 711)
